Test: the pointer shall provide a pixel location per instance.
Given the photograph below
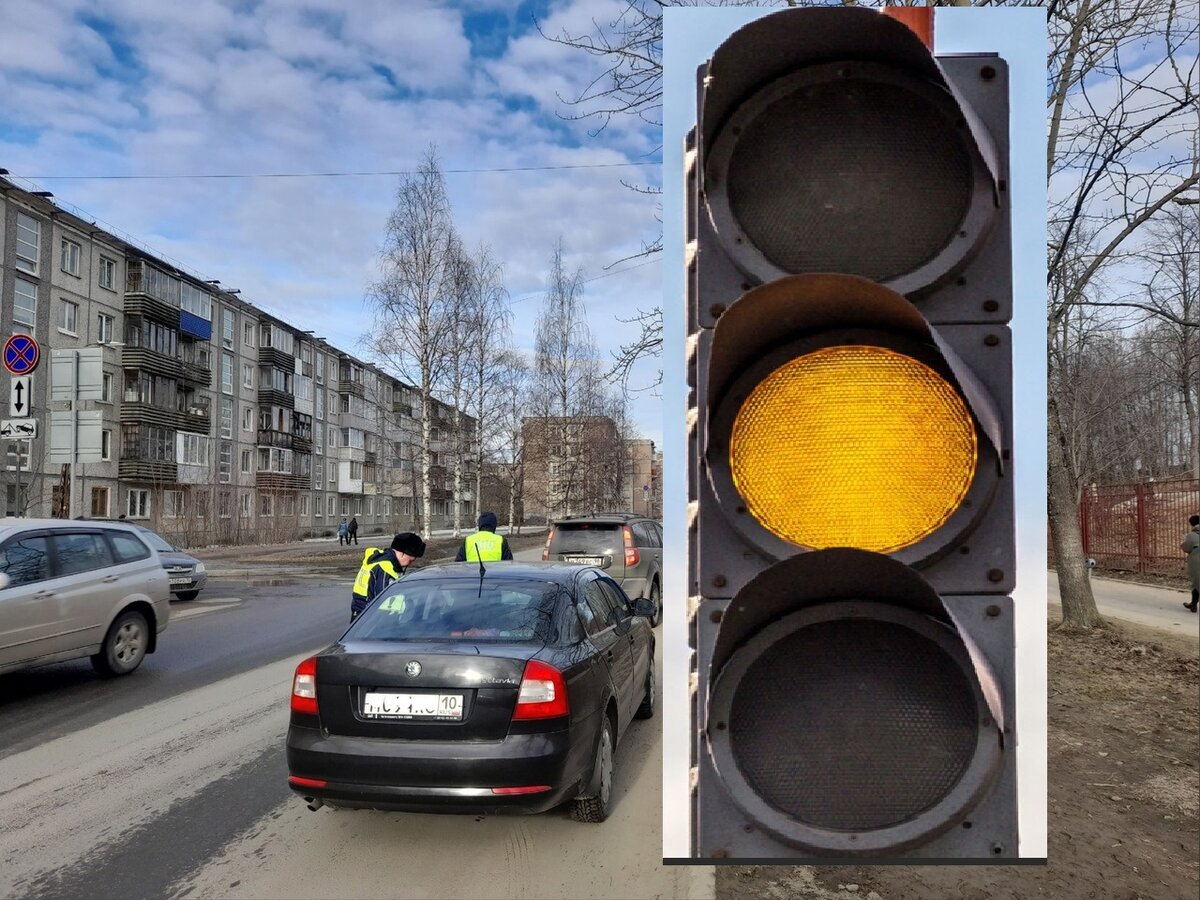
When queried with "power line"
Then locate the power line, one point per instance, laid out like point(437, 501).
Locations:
point(338, 174)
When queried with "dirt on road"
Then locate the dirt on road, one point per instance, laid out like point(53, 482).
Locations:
point(1124, 790)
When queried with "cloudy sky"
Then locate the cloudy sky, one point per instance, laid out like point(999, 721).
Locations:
point(280, 87)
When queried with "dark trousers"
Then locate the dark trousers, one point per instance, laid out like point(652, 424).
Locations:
point(354, 535)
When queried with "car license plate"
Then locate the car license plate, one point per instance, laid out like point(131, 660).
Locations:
point(381, 705)
point(585, 560)
point(175, 581)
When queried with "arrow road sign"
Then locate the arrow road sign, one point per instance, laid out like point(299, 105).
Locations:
point(21, 354)
point(20, 398)
point(19, 429)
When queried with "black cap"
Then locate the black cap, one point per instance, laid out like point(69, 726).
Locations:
point(487, 521)
point(407, 542)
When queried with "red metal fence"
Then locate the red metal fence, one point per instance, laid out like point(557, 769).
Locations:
point(1138, 527)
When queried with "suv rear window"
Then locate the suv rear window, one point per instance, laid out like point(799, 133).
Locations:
point(587, 538)
point(455, 609)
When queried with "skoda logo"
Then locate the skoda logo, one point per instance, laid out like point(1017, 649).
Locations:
point(413, 669)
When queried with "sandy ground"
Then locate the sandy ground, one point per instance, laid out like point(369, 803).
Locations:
point(1124, 790)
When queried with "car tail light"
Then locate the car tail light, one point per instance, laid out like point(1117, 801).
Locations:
point(543, 693)
point(546, 549)
point(527, 789)
point(297, 781)
point(631, 553)
point(304, 687)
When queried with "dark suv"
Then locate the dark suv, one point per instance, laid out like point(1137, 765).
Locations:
point(627, 547)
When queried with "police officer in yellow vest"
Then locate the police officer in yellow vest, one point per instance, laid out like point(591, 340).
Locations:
point(484, 545)
point(381, 567)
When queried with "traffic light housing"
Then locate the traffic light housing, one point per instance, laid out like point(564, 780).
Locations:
point(851, 528)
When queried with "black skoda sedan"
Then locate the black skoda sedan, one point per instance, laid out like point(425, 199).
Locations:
point(464, 689)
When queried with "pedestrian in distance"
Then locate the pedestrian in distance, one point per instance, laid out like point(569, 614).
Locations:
point(353, 529)
point(484, 545)
point(1191, 548)
point(382, 567)
point(343, 532)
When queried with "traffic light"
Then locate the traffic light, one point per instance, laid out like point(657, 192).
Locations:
point(851, 526)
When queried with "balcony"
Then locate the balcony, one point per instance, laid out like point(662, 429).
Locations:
point(196, 419)
point(145, 359)
point(276, 397)
point(281, 481)
point(152, 470)
point(138, 303)
point(402, 408)
point(269, 356)
point(195, 373)
point(136, 412)
point(269, 437)
point(371, 458)
point(351, 387)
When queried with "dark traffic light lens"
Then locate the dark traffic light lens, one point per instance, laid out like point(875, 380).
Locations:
point(853, 747)
point(863, 177)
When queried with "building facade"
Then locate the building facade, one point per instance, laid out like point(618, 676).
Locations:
point(572, 465)
point(219, 422)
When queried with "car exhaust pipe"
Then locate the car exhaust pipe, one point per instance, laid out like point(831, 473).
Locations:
point(314, 803)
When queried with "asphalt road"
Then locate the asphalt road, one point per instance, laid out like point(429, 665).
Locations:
point(1145, 604)
point(172, 783)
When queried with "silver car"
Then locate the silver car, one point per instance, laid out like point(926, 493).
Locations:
point(75, 589)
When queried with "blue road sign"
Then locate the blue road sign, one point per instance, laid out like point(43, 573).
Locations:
point(21, 354)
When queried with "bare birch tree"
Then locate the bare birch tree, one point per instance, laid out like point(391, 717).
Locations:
point(413, 294)
point(489, 332)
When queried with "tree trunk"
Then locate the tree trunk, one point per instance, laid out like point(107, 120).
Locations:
point(1074, 582)
point(458, 480)
point(426, 464)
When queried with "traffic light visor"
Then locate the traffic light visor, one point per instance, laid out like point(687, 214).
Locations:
point(853, 446)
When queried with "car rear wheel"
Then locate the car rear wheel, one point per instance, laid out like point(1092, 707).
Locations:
point(597, 807)
point(124, 646)
point(656, 599)
point(186, 595)
point(646, 710)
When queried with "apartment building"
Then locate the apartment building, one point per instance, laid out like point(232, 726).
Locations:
point(220, 422)
point(573, 464)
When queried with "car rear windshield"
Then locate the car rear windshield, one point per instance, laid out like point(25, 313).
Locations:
point(459, 609)
point(155, 541)
point(587, 538)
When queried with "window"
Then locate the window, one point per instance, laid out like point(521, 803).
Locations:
point(137, 504)
point(227, 373)
point(193, 449)
point(248, 334)
point(247, 418)
point(319, 474)
point(246, 461)
point(29, 240)
point(224, 505)
point(320, 372)
point(247, 375)
point(172, 504)
point(201, 505)
point(227, 328)
point(106, 445)
point(244, 505)
point(266, 505)
point(104, 328)
point(318, 437)
point(320, 404)
point(345, 507)
point(224, 462)
point(333, 470)
point(100, 502)
point(196, 302)
point(68, 320)
point(106, 383)
point(226, 423)
point(26, 560)
point(69, 257)
point(330, 506)
point(108, 275)
point(24, 305)
point(356, 470)
point(126, 547)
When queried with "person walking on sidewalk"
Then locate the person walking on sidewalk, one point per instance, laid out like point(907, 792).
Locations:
point(353, 529)
point(1191, 547)
point(343, 532)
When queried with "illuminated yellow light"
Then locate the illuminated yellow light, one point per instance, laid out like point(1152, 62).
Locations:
point(853, 447)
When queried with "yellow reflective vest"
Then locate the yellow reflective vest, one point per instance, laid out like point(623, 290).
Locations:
point(373, 558)
point(484, 545)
